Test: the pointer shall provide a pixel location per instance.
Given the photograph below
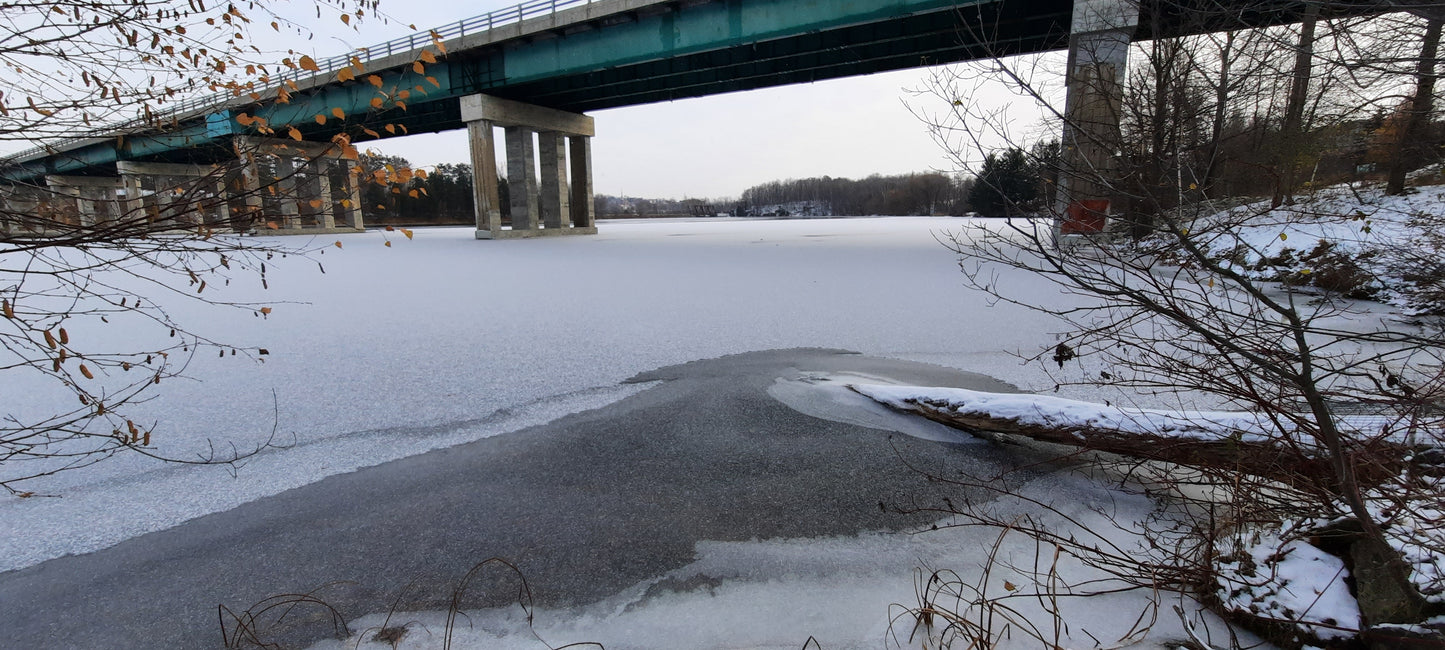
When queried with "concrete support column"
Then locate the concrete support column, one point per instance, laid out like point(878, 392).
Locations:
point(1098, 59)
point(522, 177)
point(287, 193)
point(556, 199)
point(135, 209)
point(7, 213)
point(353, 195)
point(485, 193)
point(73, 206)
point(327, 216)
point(583, 211)
point(560, 200)
point(254, 203)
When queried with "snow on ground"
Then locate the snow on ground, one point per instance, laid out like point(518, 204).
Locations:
point(1392, 241)
point(1274, 574)
point(442, 339)
point(1289, 580)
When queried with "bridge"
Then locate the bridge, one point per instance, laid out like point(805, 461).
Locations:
point(534, 70)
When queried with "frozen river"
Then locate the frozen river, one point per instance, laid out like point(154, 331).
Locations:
point(444, 329)
point(442, 340)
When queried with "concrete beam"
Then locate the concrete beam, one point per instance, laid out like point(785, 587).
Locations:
point(285, 147)
point(508, 113)
point(164, 169)
point(99, 182)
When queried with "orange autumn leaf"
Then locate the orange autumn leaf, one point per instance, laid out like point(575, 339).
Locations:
point(340, 114)
point(308, 63)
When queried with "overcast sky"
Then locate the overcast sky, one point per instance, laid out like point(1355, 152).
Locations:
point(708, 147)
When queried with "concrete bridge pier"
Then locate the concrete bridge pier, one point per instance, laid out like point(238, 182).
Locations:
point(89, 200)
point(24, 210)
point(1099, 40)
point(290, 187)
point(172, 195)
point(557, 204)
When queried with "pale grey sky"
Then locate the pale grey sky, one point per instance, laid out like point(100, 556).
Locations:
point(707, 147)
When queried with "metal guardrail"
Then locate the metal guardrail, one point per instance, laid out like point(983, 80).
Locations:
point(401, 45)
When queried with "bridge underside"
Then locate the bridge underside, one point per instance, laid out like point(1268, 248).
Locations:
point(614, 53)
point(937, 37)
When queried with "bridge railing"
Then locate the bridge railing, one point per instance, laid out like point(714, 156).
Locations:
point(401, 45)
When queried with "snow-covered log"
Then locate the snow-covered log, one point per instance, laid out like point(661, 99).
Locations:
point(1236, 441)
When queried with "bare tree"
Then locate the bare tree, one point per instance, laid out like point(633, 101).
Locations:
point(1408, 148)
point(1173, 315)
point(80, 255)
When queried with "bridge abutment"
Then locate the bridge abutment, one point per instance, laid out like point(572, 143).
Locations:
point(559, 203)
point(1098, 60)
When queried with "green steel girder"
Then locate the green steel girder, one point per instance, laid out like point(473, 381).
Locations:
point(907, 42)
point(684, 30)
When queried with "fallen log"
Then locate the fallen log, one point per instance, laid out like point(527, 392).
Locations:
point(1248, 451)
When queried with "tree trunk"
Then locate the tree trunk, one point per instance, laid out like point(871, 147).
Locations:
point(1407, 150)
point(1221, 113)
point(1377, 463)
point(1292, 131)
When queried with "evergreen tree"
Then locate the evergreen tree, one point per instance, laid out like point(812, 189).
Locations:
point(1008, 185)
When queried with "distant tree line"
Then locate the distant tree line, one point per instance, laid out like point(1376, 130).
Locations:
point(440, 196)
point(624, 207)
point(1018, 183)
point(908, 194)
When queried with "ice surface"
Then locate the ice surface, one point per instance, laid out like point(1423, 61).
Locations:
point(845, 592)
point(828, 396)
point(442, 339)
